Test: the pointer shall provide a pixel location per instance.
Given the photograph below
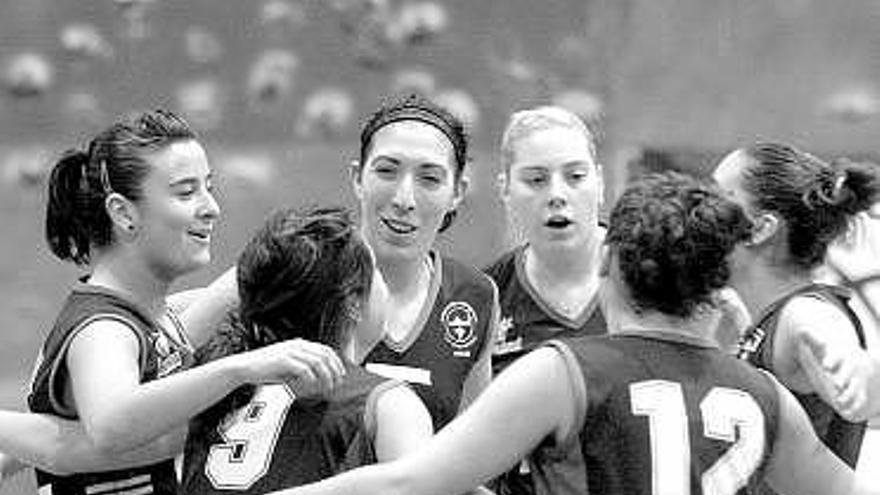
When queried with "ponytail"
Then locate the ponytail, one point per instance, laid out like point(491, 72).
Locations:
point(817, 199)
point(859, 186)
point(68, 207)
point(76, 219)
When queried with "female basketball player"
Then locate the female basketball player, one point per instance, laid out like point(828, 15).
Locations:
point(409, 181)
point(653, 408)
point(548, 285)
point(799, 204)
point(302, 276)
point(136, 209)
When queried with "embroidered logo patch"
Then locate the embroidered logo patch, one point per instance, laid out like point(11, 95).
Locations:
point(458, 319)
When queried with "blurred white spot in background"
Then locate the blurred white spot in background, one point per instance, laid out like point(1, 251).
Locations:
point(280, 16)
point(272, 77)
point(326, 113)
point(420, 22)
point(201, 102)
point(202, 46)
point(852, 105)
point(83, 40)
point(28, 74)
point(461, 104)
point(26, 166)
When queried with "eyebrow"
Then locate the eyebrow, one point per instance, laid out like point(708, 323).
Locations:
point(385, 158)
point(190, 180)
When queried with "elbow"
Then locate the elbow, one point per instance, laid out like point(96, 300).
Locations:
point(58, 466)
point(111, 438)
point(110, 444)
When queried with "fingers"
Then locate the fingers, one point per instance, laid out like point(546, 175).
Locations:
point(312, 368)
point(326, 363)
point(849, 376)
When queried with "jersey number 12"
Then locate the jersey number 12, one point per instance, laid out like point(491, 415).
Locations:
point(727, 414)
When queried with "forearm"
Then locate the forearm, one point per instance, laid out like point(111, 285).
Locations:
point(62, 446)
point(158, 407)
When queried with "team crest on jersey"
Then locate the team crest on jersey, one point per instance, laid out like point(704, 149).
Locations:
point(459, 320)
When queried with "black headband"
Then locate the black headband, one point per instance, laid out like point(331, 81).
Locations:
point(417, 109)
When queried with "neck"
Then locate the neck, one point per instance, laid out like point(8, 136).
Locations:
point(621, 316)
point(700, 324)
point(404, 276)
point(763, 284)
point(554, 267)
point(130, 276)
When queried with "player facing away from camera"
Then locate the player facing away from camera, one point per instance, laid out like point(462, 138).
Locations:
point(305, 275)
point(409, 181)
point(548, 285)
point(799, 205)
point(652, 408)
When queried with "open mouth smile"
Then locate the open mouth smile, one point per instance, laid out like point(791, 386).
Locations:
point(398, 227)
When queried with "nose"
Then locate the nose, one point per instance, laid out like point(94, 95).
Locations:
point(404, 194)
point(557, 192)
point(209, 208)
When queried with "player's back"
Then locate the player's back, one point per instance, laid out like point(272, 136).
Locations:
point(665, 414)
point(278, 441)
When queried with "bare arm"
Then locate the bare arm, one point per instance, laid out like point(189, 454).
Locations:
point(403, 424)
point(10, 466)
point(801, 464)
point(816, 328)
point(120, 413)
point(62, 446)
point(493, 439)
point(201, 310)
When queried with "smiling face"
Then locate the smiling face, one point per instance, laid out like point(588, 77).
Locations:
point(406, 185)
point(553, 187)
point(177, 211)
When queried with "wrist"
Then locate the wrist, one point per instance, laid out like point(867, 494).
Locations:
point(234, 369)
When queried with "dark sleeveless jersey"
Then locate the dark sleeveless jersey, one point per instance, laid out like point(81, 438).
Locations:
point(278, 441)
point(84, 305)
point(756, 346)
point(664, 413)
point(453, 331)
point(526, 321)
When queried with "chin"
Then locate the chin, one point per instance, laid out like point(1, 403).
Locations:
point(196, 262)
point(387, 250)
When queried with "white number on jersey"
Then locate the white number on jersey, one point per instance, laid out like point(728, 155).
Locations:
point(727, 414)
point(249, 438)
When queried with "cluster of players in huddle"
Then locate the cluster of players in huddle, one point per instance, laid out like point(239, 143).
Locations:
point(343, 356)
